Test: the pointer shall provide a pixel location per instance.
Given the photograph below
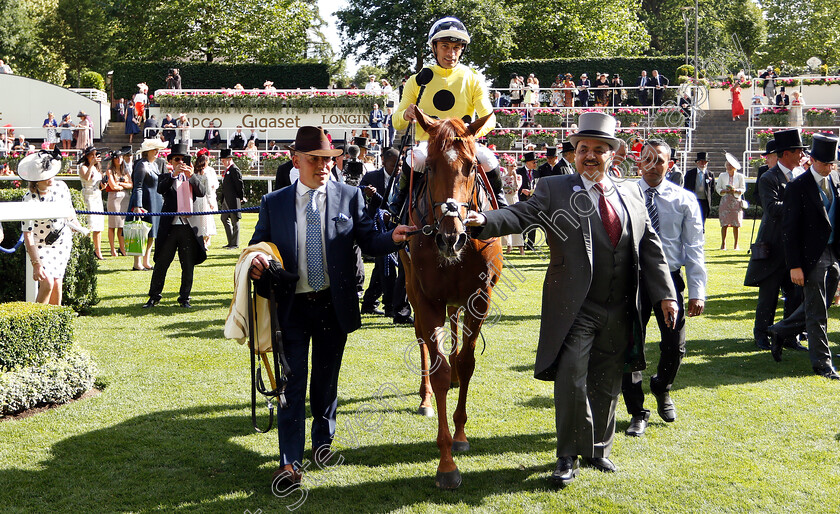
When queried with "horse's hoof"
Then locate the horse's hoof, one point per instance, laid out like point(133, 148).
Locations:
point(426, 411)
point(460, 446)
point(448, 481)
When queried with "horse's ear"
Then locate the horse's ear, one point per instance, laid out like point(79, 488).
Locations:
point(423, 120)
point(478, 124)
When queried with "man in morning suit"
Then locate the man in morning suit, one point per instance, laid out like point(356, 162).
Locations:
point(766, 269)
point(376, 117)
point(233, 194)
point(674, 173)
point(528, 174)
point(675, 217)
point(602, 246)
point(178, 188)
point(583, 90)
point(552, 165)
point(388, 277)
point(701, 182)
point(770, 160)
point(314, 224)
point(284, 175)
point(568, 159)
point(812, 247)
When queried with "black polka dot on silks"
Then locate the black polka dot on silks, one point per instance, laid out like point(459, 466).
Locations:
point(443, 100)
point(467, 119)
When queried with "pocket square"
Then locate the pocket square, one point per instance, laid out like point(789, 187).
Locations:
point(341, 218)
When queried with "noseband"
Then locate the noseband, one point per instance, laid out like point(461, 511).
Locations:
point(451, 207)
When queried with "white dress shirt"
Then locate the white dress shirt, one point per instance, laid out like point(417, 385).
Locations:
point(681, 233)
point(301, 201)
point(791, 174)
point(609, 193)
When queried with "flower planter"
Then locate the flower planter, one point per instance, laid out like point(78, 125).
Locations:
point(775, 117)
point(548, 119)
point(501, 141)
point(508, 120)
point(539, 140)
point(816, 117)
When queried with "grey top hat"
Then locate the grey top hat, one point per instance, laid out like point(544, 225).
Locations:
point(824, 148)
point(596, 125)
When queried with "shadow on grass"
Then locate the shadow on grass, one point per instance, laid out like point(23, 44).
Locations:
point(186, 458)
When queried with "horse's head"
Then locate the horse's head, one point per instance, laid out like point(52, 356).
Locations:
point(451, 179)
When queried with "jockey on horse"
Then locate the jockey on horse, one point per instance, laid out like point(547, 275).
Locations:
point(454, 91)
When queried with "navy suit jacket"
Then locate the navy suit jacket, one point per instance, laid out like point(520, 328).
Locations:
point(346, 223)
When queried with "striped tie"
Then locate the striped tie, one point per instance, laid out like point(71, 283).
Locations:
point(653, 212)
point(314, 259)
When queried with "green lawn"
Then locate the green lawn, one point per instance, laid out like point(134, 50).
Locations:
point(171, 431)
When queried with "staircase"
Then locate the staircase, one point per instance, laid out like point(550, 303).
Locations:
point(115, 136)
point(717, 133)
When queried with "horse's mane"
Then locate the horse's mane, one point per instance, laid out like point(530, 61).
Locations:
point(447, 136)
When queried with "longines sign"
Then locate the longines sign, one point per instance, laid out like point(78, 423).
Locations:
point(283, 121)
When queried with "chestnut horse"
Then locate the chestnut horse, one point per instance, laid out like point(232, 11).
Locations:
point(449, 273)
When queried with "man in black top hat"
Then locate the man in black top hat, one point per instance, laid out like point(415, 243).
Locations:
point(568, 159)
point(812, 247)
point(766, 269)
point(552, 165)
point(770, 159)
point(233, 194)
point(782, 99)
point(674, 173)
point(528, 172)
point(700, 181)
point(179, 188)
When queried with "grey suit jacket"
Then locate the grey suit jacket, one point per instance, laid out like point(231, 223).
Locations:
point(561, 206)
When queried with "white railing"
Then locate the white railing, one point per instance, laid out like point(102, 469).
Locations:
point(93, 94)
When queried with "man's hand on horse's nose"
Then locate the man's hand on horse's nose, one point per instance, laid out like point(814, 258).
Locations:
point(401, 233)
point(475, 219)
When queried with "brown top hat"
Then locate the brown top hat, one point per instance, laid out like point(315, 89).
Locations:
point(312, 141)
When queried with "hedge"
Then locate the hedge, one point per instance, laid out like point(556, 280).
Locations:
point(58, 380)
point(213, 75)
point(92, 80)
point(630, 68)
point(79, 286)
point(29, 332)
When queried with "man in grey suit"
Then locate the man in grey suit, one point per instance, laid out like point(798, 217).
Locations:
point(602, 244)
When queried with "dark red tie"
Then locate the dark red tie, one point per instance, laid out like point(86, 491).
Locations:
point(609, 217)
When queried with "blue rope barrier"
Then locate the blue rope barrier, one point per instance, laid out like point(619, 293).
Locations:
point(143, 214)
point(14, 248)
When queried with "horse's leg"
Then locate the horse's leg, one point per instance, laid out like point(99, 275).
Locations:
point(448, 476)
point(425, 392)
point(452, 316)
point(466, 366)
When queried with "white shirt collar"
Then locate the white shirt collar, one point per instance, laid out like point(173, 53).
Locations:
point(819, 178)
point(304, 190)
point(606, 183)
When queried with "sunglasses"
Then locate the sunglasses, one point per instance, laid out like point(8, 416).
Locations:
point(178, 159)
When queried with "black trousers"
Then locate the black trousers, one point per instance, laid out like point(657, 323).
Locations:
point(313, 318)
point(768, 299)
point(671, 347)
point(182, 239)
point(391, 286)
point(704, 211)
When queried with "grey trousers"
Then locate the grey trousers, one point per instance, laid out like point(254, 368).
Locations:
point(820, 285)
point(588, 380)
point(231, 224)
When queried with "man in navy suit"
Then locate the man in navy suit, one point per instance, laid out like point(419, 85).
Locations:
point(376, 119)
point(314, 223)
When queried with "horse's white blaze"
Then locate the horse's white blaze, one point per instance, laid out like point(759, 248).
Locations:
point(451, 155)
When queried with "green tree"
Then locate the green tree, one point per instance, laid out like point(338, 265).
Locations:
point(749, 27)
point(393, 34)
point(82, 34)
point(569, 28)
point(364, 72)
point(801, 29)
point(21, 45)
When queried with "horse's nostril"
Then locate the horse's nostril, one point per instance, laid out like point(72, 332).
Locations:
point(460, 241)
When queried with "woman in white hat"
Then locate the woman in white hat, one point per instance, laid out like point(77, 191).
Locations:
point(144, 197)
point(90, 173)
point(731, 186)
point(48, 242)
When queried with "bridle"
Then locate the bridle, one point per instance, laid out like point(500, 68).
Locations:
point(448, 208)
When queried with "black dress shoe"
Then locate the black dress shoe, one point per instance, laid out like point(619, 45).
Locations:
point(776, 347)
point(185, 304)
point(373, 310)
point(565, 471)
point(638, 425)
point(602, 464)
point(762, 344)
point(665, 406)
point(828, 373)
point(150, 303)
point(403, 320)
point(795, 346)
